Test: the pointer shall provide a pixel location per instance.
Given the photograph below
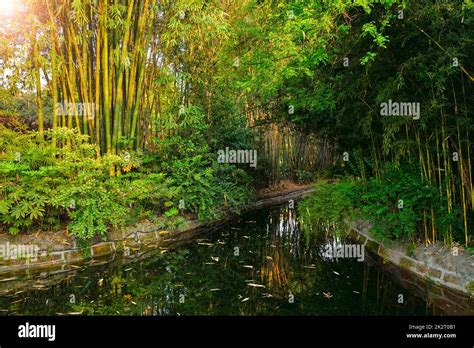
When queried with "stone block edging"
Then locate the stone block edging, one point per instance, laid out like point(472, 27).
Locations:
point(430, 272)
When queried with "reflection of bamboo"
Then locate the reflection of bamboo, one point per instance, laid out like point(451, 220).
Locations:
point(386, 298)
point(365, 282)
point(276, 272)
point(378, 286)
point(272, 272)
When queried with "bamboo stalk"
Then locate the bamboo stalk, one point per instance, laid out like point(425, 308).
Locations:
point(36, 61)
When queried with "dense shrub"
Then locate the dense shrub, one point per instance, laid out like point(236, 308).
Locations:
point(401, 204)
point(398, 205)
point(44, 186)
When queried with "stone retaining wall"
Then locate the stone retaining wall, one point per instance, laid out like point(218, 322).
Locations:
point(434, 263)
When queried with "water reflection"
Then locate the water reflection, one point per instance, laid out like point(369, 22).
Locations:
point(262, 264)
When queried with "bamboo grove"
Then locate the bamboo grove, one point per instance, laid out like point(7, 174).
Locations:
point(117, 57)
point(435, 69)
point(299, 79)
point(408, 51)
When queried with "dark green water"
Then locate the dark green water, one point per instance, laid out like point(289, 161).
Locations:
point(260, 264)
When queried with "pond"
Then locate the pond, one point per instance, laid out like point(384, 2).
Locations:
point(262, 263)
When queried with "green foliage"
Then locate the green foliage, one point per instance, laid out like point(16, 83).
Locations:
point(470, 286)
point(195, 183)
point(205, 186)
point(45, 186)
point(144, 192)
point(303, 176)
point(91, 207)
point(329, 204)
point(398, 205)
point(336, 62)
point(179, 97)
point(40, 184)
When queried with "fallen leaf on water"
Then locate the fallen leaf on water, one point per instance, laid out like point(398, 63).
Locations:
point(256, 285)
